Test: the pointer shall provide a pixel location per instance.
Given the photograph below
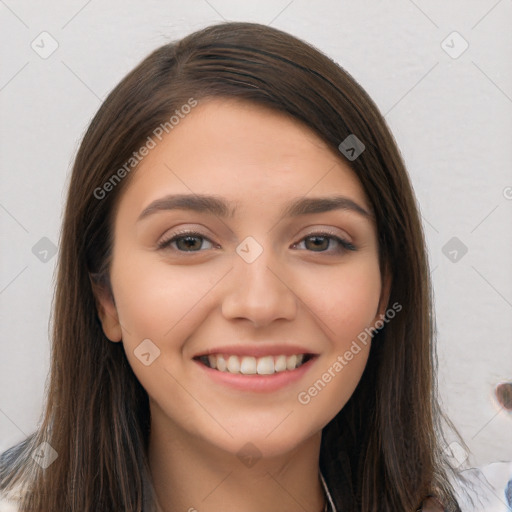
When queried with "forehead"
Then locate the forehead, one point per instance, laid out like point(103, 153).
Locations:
point(251, 154)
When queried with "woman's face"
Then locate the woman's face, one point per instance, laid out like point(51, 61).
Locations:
point(259, 286)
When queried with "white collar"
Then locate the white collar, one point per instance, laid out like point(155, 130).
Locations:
point(330, 502)
point(332, 507)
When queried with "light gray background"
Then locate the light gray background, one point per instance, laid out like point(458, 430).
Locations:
point(450, 116)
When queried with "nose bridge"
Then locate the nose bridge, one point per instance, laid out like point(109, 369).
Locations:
point(258, 291)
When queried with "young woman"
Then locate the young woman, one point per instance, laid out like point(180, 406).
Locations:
point(243, 315)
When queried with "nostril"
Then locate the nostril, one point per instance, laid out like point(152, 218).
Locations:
point(503, 393)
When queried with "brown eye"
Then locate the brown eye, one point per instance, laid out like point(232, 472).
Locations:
point(188, 241)
point(318, 242)
point(321, 242)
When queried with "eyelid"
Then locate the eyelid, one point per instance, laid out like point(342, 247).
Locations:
point(329, 232)
point(184, 232)
point(316, 229)
point(345, 244)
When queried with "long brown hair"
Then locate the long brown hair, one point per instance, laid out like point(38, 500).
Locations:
point(383, 451)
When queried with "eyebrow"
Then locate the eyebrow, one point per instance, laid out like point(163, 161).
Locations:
point(220, 207)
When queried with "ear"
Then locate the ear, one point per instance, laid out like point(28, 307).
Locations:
point(384, 295)
point(106, 307)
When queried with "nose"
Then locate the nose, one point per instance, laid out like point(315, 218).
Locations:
point(259, 291)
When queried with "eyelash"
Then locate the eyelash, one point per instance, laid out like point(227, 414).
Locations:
point(345, 245)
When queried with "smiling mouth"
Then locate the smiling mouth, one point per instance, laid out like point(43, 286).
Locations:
point(248, 365)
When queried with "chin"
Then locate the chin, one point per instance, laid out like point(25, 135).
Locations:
point(268, 441)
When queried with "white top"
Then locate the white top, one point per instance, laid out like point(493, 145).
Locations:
point(490, 488)
point(8, 503)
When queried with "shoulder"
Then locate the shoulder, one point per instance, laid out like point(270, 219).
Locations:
point(11, 497)
point(486, 489)
point(9, 502)
point(431, 504)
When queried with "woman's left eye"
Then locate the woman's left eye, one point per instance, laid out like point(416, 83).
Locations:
point(319, 242)
point(322, 241)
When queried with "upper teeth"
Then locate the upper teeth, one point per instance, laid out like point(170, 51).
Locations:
point(249, 365)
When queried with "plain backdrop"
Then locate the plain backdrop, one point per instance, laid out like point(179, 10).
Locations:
point(448, 106)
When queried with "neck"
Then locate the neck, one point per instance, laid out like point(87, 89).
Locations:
point(189, 474)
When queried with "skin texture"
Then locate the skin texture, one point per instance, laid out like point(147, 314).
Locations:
point(189, 302)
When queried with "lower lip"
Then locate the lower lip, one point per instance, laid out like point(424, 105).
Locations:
point(258, 383)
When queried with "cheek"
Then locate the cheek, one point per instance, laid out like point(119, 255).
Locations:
point(162, 303)
point(153, 297)
point(346, 304)
point(331, 387)
point(344, 300)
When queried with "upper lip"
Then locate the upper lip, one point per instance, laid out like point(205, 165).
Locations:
point(256, 350)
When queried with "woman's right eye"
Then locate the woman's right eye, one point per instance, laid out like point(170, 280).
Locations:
point(186, 241)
